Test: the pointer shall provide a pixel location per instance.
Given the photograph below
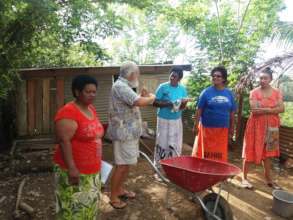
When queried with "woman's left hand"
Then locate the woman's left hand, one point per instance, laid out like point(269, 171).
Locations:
point(259, 111)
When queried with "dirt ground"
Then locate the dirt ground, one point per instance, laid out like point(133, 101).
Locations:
point(32, 162)
point(150, 204)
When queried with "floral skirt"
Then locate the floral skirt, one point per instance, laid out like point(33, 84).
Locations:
point(77, 202)
point(169, 139)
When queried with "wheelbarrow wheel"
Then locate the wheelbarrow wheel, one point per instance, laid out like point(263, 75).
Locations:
point(223, 211)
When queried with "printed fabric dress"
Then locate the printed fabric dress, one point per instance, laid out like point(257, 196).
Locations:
point(255, 147)
point(79, 202)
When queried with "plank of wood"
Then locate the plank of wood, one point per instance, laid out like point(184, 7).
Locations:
point(39, 106)
point(53, 104)
point(21, 109)
point(95, 71)
point(31, 106)
point(46, 106)
point(60, 92)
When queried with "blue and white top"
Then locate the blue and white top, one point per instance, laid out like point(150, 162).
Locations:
point(216, 107)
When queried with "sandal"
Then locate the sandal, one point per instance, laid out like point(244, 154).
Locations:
point(127, 195)
point(246, 184)
point(118, 204)
point(274, 185)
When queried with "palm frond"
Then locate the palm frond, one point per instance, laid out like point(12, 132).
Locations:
point(284, 63)
point(283, 33)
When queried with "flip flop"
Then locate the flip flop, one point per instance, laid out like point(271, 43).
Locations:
point(118, 204)
point(127, 195)
point(274, 185)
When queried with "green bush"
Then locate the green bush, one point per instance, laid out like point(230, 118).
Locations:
point(287, 116)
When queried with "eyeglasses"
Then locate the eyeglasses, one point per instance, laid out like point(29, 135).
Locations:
point(216, 76)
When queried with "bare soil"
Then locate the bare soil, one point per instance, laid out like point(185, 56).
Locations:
point(150, 203)
point(151, 195)
point(38, 191)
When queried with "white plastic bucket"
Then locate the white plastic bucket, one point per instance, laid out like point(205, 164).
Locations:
point(105, 171)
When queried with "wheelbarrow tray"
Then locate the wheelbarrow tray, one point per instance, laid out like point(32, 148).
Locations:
point(196, 174)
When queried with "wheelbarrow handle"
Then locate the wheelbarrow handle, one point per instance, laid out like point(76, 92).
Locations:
point(154, 167)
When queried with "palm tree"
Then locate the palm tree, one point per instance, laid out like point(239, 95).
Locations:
point(283, 33)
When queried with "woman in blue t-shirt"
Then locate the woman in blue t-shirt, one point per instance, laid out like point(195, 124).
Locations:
point(214, 123)
point(171, 99)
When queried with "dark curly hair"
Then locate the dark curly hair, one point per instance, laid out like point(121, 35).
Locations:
point(80, 81)
point(223, 72)
point(178, 71)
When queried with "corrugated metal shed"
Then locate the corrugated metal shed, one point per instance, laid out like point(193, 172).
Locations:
point(43, 91)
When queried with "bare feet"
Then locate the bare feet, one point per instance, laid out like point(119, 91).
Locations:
point(118, 204)
point(127, 195)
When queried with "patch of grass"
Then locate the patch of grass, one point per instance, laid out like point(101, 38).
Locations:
point(287, 116)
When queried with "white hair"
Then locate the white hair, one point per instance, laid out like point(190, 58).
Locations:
point(128, 68)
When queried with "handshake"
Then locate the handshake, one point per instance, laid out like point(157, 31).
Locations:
point(177, 105)
point(146, 94)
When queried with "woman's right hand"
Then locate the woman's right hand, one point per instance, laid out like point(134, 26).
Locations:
point(144, 93)
point(73, 176)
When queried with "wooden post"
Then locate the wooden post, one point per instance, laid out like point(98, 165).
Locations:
point(21, 109)
point(52, 104)
point(31, 106)
point(39, 106)
point(239, 118)
point(60, 92)
point(46, 106)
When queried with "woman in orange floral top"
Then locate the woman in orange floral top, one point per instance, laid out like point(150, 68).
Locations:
point(78, 154)
point(261, 140)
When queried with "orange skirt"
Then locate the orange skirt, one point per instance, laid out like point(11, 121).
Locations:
point(211, 143)
point(254, 149)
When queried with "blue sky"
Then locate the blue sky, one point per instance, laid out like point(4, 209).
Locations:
point(287, 14)
point(271, 49)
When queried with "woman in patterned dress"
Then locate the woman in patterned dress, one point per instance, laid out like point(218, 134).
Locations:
point(261, 141)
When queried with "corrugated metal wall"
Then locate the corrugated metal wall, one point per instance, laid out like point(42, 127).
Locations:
point(286, 141)
point(102, 101)
point(188, 136)
point(151, 83)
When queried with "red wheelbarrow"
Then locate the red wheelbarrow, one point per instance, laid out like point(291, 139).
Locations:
point(196, 175)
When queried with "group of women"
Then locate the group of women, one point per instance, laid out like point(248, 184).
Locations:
point(214, 123)
point(79, 133)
